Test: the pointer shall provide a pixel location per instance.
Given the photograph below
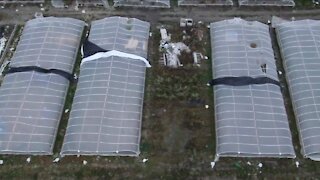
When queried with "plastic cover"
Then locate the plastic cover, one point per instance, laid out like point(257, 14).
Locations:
point(107, 108)
point(251, 120)
point(300, 48)
point(31, 103)
point(289, 3)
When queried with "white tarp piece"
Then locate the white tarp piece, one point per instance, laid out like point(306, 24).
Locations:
point(31, 102)
point(142, 3)
point(251, 120)
point(299, 43)
point(106, 113)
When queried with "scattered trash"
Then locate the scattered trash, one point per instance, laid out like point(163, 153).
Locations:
point(208, 26)
point(280, 72)
point(269, 22)
point(297, 164)
point(249, 163)
point(66, 111)
point(212, 164)
point(84, 162)
point(150, 34)
point(83, 11)
point(145, 160)
point(42, 9)
point(208, 84)
point(2, 7)
point(21, 5)
point(1, 161)
point(206, 57)
point(260, 165)
point(200, 22)
point(56, 160)
point(206, 106)
point(17, 10)
point(28, 159)
point(196, 58)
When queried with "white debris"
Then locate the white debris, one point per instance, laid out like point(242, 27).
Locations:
point(260, 165)
point(280, 72)
point(249, 163)
point(269, 22)
point(56, 160)
point(150, 34)
point(297, 164)
point(83, 11)
point(1, 161)
point(206, 57)
point(17, 10)
point(28, 159)
point(11, 49)
point(41, 5)
point(84, 162)
point(21, 5)
point(66, 111)
point(212, 164)
point(117, 152)
point(2, 44)
point(206, 106)
point(42, 9)
point(145, 160)
point(208, 26)
point(208, 84)
point(2, 7)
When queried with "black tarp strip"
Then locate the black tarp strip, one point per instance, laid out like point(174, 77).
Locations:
point(243, 81)
point(64, 74)
point(90, 49)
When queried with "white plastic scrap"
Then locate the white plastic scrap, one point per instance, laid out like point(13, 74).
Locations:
point(269, 22)
point(280, 72)
point(84, 162)
point(249, 163)
point(297, 164)
point(208, 84)
point(66, 111)
point(260, 165)
point(56, 160)
point(83, 11)
point(17, 10)
point(2, 7)
point(212, 164)
point(42, 9)
point(206, 106)
point(28, 159)
point(206, 57)
point(1, 162)
point(145, 160)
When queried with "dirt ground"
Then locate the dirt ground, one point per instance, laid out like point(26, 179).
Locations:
point(178, 134)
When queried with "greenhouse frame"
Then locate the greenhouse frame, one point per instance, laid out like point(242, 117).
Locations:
point(142, 3)
point(33, 92)
point(205, 2)
point(289, 3)
point(107, 108)
point(299, 43)
point(250, 115)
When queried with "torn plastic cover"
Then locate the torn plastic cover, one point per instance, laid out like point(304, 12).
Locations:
point(243, 81)
point(62, 73)
point(91, 52)
point(90, 49)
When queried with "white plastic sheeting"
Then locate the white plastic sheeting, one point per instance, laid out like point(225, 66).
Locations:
point(143, 3)
point(205, 2)
point(251, 120)
point(106, 113)
point(300, 48)
point(289, 3)
point(31, 103)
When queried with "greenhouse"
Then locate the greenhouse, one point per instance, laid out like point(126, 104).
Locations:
point(143, 3)
point(289, 3)
point(205, 2)
point(300, 48)
point(20, 1)
point(33, 92)
point(250, 116)
point(107, 108)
